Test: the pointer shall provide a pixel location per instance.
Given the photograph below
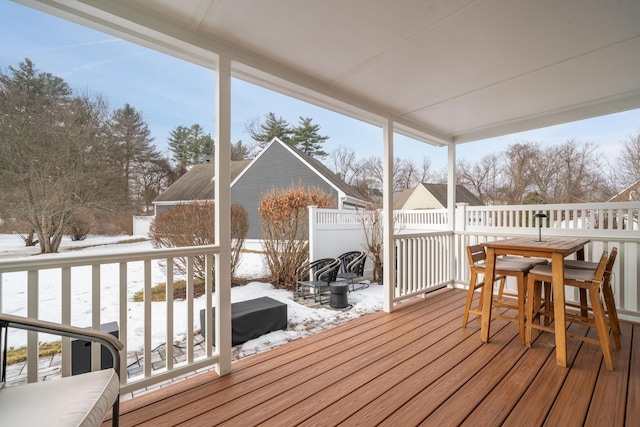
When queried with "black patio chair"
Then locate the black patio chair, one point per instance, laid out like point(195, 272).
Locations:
point(316, 275)
point(352, 268)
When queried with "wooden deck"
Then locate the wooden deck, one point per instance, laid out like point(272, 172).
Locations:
point(415, 366)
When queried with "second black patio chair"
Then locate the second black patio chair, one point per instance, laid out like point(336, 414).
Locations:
point(316, 275)
point(352, 269)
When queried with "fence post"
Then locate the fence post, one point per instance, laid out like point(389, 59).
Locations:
point(313, 230)
point(459, 243)
point(461, 217)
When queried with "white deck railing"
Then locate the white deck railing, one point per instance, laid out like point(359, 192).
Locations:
point(421, 263)
point(426, 260)
point(607, 225)
point(121, 275)
point(612, 219)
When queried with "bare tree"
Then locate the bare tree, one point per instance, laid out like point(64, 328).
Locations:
point(344, 164)
point(481, 178)
point(519, 162)
point(627, 169)
point(54, 157)
point(579, 172)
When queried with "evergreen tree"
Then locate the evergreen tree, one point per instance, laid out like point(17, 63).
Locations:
point(306, 138)
point(190, 145)
point(132, 149)
point(273, 127)
point(239, 151)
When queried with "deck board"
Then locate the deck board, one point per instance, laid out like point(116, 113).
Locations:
point(607, 406)
point(410, 367)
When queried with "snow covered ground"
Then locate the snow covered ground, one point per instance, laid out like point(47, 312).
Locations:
point(301, 317)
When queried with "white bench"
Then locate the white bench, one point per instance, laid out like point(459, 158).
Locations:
point(80, 400)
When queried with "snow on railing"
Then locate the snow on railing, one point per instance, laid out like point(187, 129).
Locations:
point(90, 290)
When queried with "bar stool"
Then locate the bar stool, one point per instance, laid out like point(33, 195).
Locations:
point(583, 279)
point(477, 258)
point(607, 292)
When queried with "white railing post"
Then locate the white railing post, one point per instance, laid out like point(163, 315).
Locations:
point(313, 230)
point(461, 217)
point(458, 245)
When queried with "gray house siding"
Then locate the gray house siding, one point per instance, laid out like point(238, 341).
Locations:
point(161, 208)
point(276, 168)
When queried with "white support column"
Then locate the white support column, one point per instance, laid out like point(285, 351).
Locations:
point(451, 187)
point(451, 206)
point(223, 214)
point(388, 258)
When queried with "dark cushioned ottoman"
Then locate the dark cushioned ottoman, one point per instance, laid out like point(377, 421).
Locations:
point(251, 319)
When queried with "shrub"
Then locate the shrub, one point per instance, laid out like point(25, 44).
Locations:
point(239, 230)
point(372, 224)
point(79, 225)
point(193, 225)
point(285, 230)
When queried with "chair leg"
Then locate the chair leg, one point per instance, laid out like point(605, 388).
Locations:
point(530, 297)
point(521, 309)
point(548, 303)
point(612, 312)
point(503, 281)
point(601, 326)
point(583, 303)
point(467, 306)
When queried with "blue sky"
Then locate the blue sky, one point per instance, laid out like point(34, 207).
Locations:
point(170, 92)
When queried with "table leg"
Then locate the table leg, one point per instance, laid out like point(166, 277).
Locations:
point(557, 263)
point(487, 295)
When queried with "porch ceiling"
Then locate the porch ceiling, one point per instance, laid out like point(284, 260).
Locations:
point(444, 70)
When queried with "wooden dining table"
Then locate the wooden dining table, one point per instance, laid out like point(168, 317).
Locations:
point(553, 248)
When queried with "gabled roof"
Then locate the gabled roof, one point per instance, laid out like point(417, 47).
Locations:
point(316, 166)
point(439, 191)
point(197, 183)
point(324, 171)
point(400, 199)
point(629, 194)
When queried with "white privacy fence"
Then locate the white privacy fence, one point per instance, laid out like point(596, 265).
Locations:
point(60, 283)
point(421, 252)
point(333, 231)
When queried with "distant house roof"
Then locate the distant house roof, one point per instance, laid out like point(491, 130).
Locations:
point(316, 166)
point(400, 199)
point(197, 183)
point(439, 193)
point(629, 194)
point(334, 179)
